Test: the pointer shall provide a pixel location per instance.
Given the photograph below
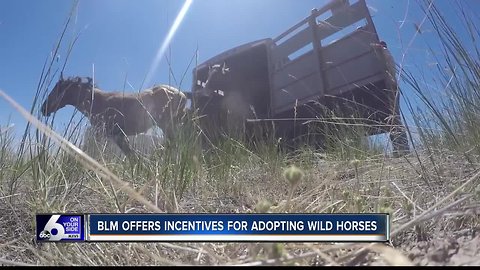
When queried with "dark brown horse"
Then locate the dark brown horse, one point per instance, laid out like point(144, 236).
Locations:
point(118, 114)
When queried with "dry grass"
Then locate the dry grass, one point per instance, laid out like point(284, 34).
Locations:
point(421, 209)
point(432, 193)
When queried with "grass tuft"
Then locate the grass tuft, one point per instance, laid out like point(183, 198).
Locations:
point(431, 195)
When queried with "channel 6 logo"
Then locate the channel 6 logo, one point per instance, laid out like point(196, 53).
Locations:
point(60, 227)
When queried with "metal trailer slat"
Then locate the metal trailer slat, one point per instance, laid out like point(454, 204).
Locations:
point(316, 64)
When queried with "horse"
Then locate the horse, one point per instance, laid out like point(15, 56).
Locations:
point(228, 99)
point(217, 78)
point(117, 114)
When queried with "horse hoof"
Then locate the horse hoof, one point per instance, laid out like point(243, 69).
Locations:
point(400, 153)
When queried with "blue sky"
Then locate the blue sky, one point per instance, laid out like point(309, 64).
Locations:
point(120, 38)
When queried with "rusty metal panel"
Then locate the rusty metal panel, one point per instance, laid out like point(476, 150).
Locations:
point(295, 81)
point(362, 82)
point(295, 70)
point(289, 46)
point(351, 72)
point(329, 67)
point(342, 18)
point(297, 93)
point(348, 48)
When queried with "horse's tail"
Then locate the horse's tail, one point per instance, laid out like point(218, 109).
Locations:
point(177, 100)
point(188, 95)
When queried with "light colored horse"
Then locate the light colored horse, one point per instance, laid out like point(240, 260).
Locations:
point(118, 114)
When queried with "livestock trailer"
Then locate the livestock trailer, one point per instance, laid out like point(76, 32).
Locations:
point(330, 65)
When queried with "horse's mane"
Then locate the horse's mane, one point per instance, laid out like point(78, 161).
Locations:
point(84, 81)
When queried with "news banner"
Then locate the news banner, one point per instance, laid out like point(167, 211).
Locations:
point(213, 227)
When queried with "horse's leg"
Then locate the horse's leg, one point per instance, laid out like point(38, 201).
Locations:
point(88, 145)
point(168, 131)
point(169, 125)
point(122, 142)
point(94, 141)
point(398, 133)
point(399, 138)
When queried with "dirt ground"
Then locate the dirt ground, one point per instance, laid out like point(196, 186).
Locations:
point(433, 200)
